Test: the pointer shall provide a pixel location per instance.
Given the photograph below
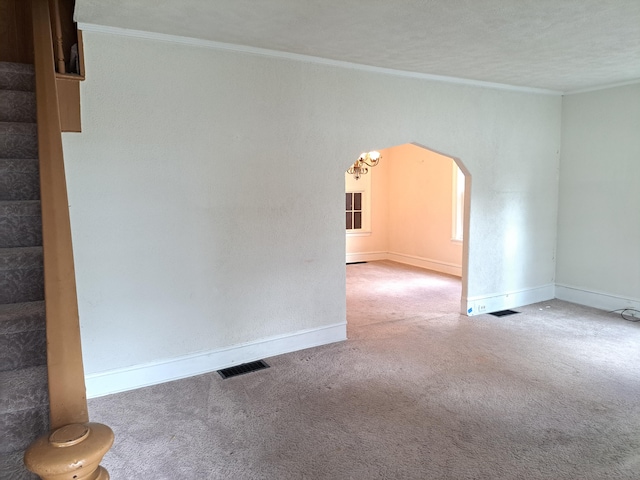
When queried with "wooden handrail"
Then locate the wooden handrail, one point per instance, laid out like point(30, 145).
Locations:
point(67, 392)
point(75, 447)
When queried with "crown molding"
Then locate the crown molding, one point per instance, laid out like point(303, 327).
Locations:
point(603, 87)
point(196, 42)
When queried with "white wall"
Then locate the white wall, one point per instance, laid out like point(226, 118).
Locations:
point(599, 205)
point(206, 197)
point(420, 206)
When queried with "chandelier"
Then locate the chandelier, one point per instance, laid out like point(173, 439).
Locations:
point(359, 168)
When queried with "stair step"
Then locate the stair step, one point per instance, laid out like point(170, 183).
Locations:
point(20, 224)
point(12, 467)
point(23, 337)
point(18, 429)
point(17, 106)
point(24, 411)
point(19, 179)
point(22, 317)
point(23, 350)
point(26, 389)
point(17, 76)
point(18, 140)
point(20, 258)
point(23, 407)
point(21, 275)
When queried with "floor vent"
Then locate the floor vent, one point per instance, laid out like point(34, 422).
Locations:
point(242, 369)
point(503, 313)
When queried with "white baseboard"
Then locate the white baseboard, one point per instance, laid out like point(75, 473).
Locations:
point(429, 264)
point(366, 257)
point(435, 265)
point(493, 303)
point(137, 376)
point(603, 301)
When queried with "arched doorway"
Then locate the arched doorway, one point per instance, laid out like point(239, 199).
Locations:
point(413, 214)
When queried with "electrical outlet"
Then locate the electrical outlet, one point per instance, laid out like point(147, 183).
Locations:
point(481, 308)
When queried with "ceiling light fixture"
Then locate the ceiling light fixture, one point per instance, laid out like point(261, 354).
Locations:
point(359, 168)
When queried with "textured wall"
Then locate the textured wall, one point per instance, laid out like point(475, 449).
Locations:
point(420, 205)
point(599, 205)
point(207, 189)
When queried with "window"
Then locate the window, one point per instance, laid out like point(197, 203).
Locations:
point(458, 203)
point(358, 205)
point(354, 210)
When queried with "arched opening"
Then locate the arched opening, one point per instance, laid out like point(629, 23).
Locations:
point(408, 218)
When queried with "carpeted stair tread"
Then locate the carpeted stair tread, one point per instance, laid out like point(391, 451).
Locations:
point(22, 317)
point(19, 207)
point(23, 336)
point(20, 258)
point(27, 389)
point(18, 140)
point(17, 106)
point(16, 67)
point(17, 76)
point(24, 410)
point(23, 349)
point(20, 224)
point(12, 467)
point(21, 427)
point(21, 275)
point(19, 179)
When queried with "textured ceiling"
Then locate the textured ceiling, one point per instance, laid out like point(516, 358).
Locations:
point(561, 45)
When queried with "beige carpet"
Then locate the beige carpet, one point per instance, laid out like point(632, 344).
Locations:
point(417, 392)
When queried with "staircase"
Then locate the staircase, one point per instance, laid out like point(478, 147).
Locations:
point(24, 402)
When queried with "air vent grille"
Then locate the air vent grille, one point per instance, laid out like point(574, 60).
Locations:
point(242, 369)
point(503, 313)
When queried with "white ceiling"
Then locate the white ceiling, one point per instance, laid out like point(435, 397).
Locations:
point(560, 45)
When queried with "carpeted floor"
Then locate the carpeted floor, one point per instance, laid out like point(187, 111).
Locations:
point(417, 392)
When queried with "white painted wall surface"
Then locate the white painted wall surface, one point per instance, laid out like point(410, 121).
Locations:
point(420, 209)
point(599, 205)
point(206, 192)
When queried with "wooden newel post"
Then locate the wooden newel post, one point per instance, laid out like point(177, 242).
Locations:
point(73, 451)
